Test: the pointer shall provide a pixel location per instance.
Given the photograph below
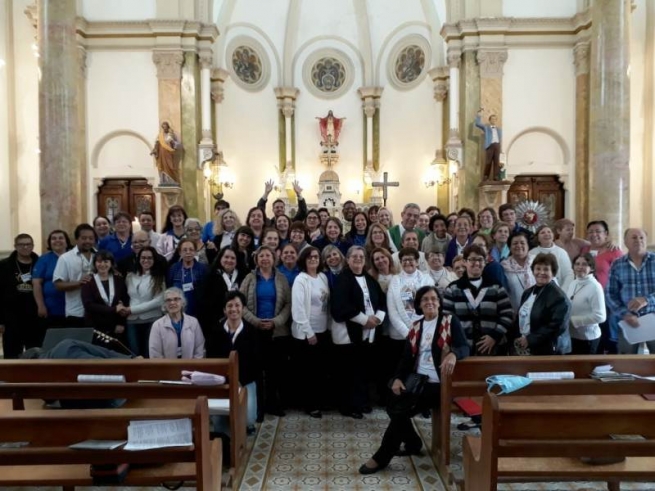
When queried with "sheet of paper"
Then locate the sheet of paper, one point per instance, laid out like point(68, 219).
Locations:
point(98, 444)
point(145, 435)
point(101, 378)
point(551, 375)
point(645, 331)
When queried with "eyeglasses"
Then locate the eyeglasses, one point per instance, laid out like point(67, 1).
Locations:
point(313, 218)
point(140, 241)
point(408, 260)
point(25, 245)
point(313, 258)
point(173, 300)
point(478, 260)
point(193, 229)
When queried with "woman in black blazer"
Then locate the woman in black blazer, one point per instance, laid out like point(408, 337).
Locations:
point(358, 307)
point(544, 313)
point(433, 346)
point(233, 333)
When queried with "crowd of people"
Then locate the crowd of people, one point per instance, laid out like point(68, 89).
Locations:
point(324, 311)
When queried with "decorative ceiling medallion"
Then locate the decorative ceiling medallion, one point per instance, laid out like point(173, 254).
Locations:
point(328, 73)
point(409, 62)
point(532, 215)
point(248, 63)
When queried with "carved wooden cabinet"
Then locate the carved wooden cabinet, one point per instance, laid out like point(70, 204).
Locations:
point(548, 190)
point(129, 195)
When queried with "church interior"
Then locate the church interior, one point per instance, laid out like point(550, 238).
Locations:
point(373, 101)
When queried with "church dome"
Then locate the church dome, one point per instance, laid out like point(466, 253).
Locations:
point(329, 175)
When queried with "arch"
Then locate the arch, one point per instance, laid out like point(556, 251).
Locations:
point(438, 45)
point(95, 155)
point(384, 48)
point(566, 153)
point(364, 36)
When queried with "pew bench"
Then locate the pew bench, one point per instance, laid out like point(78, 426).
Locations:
point(48, 460)
point(28, 382)
point(468, 381)
point(542, 438)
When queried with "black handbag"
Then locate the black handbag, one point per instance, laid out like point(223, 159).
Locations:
point(406, 402)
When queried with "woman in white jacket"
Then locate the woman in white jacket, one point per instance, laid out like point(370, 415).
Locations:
point(400, 301)
point(546, 241)
point(310, 313)
point(146, 290)
point(588, 306)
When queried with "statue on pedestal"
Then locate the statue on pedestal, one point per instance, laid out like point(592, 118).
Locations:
point(167, 151)
point(493, 136)
point(330, 129)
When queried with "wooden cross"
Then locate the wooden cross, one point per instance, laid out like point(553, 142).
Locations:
point(385, 185)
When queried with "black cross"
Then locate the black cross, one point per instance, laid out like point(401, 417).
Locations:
point(385, 185)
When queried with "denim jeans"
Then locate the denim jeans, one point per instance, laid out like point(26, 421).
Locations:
point(138, 338)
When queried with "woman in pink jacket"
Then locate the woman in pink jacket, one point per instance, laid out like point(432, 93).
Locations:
point(176, 335)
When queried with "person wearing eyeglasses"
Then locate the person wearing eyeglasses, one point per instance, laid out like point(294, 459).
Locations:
point(400, 301)
point(18, 310)
point(188, 274)
point(482, 306)
point(310, 297)
point(129, 264)
point(176, 335)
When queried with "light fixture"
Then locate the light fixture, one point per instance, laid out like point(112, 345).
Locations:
point(437, 174)
point(218, 175)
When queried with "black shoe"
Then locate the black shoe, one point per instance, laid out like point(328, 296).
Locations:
point(251, 430)
point(407, 452)
point(370, 470)
point(315, 414)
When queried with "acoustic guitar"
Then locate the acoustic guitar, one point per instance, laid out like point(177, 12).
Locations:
point(106, 341)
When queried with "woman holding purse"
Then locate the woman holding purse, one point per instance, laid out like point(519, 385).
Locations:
point(433, 346)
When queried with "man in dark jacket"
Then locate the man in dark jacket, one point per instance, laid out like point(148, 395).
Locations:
point(18, 311)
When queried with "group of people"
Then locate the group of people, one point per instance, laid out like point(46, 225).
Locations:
point(325, 312)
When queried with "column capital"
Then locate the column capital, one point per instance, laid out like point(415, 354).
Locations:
point(581, 53)
point(454, 57)
point(81, 58)
point(440, 76)
point(205, 57)
point(286, 99)
point(370, 99)
point(218, 77)
point(169, 64)
point(491, 62)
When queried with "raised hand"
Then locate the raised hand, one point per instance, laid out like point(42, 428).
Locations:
point(268, 186)
point(296, 187)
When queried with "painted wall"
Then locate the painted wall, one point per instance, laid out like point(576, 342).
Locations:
point(119, 141)
point(539, 115)
point(6, 107)
point(98, 10)
point(26, 125)
point(539, 8)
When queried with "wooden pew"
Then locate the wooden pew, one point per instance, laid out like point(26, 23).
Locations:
point(57, 379)
point(47, 460)
point(468, 380)
point(541, 438)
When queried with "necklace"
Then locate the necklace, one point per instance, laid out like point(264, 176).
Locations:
point(577, 289)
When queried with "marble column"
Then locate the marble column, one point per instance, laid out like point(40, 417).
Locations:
point(491, 63)
point(169, 75)
point(454, 148)
point(440, 77)
point(193, 180)
point(581, 61)
point(470, 173)
point(81, 114)
point(205, 59)
point(371, 106)
point(60, 137)
point(609, 114)
point(218, 78)
point(286, 102)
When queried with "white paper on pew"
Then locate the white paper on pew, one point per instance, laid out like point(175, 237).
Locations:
point(149, 434)
point(551, 375)
point(645, 331)
point(219, 407)
point(203, 378)
point(602, 369)
point(108, 379)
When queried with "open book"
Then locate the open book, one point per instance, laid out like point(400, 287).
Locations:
point(146, 435)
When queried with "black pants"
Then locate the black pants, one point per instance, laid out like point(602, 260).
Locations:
point(584, 347)
point(492, 164)
point(311, 367)
point(401, 430)
point(350, 380)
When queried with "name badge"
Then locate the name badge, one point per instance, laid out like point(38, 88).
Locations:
point(187, 287)
point(26, 278)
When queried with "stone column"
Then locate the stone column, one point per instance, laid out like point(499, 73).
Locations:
point(370, 103)
point(470, 173)
point(286, 102)
point(581, 60)
point(491, 63)
point(609, 115)
point(205, 96)
point(60, 136)
point(454, 148)
point(218, 78)
point(440, 77)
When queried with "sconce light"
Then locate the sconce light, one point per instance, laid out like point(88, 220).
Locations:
point(437, 174)
point(218, 175)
